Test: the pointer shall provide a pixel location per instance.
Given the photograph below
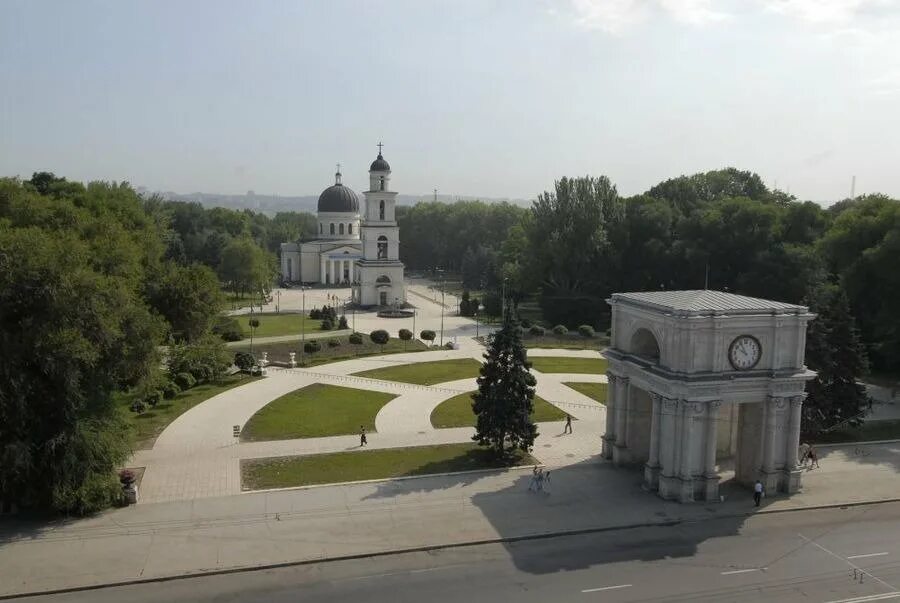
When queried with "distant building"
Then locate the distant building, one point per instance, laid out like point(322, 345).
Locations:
point(348, 252)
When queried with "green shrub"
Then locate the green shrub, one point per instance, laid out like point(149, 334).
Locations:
point(334, 343)
point(404, 334)
point(153, 398)
point(586, 331)
point(342, 323)
point(185, 381)
point(228, 328)
point(520, 331)
point(315, 314)
point(448, 345)
point(527, 323)
point(138, 407)
point(355, 338)
point(427, 335)
point(170, 390)
point(379, 337)
point(311, 347)
point(560, 330)
point(97, 492)
point(537, 330)
point(244, 361)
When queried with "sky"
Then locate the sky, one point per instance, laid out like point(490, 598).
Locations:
point(471, 97)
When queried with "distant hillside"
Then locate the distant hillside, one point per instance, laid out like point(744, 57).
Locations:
point(272, 204)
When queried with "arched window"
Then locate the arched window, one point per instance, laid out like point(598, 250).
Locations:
point(332, 229)
point(383, 280)
point(382, 247)
point(350, 228)
point(381, 210)
point(320, 228)
point(382, 183)
point(341, 229)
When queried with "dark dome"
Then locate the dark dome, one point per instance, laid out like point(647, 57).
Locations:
point(339, 199)
point(380, 165)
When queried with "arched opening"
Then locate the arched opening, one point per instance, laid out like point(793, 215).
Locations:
point(332, 229)
point(383, 280)
point(381, 184)
point(381, 210)
point(382, 247)
point(320, 228)
point(350, 228)
point(644, 344)
point(340, 229)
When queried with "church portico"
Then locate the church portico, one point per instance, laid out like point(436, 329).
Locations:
point(678, 412)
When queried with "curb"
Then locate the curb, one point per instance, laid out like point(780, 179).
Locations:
point(432, 547)
point(866, 443)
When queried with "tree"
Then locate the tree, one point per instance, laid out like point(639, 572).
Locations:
point(464, 302)
point(245, 267)
point(405, 335)
point(493, 305)
point(505, 398)
point(188, 297)
point(835, 352)
point(427, 335)
point(379, 337)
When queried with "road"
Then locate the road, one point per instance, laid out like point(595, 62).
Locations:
point(850, 555)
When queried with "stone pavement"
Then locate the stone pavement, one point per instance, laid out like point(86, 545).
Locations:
point(196, 456)
point(255, 529)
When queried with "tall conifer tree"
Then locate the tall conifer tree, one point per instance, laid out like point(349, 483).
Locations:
point(505, 398)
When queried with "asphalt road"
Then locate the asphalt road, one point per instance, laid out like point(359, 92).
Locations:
point(849, 555)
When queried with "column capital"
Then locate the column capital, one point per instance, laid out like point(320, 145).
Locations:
point(714, 404)
point(797, 400)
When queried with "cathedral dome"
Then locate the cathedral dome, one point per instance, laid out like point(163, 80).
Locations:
point(380, 165)
point(339, 198)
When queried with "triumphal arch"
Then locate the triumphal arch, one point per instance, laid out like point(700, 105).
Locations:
point(698, 377)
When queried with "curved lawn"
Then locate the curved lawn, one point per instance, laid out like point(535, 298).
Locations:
point(426, 373)
point(457, 412)
point(597, 391)
point(315, 411)
point(563, 364)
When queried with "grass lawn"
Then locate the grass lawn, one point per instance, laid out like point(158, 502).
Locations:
point(278, 324)
point(457, 412)
point(597, 391)
point(427, 373)
point(280, 351)
point(149, 425)
point(566, 342)
point(867, 432)
point(286, 472)
point(314, 411)
point(557, 364)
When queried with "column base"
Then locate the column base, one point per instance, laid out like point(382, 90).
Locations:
point(651, 477)
point(791, 480)
point(621, 455)
point(687, 489)
point(608, 443)
point(668, 486)
point(771, 481)
point(711, 493)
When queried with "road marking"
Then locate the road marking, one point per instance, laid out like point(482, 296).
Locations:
point(867, 555)
point(881, 597)
point(743, 571)
point(595, 590)
point(851, 564)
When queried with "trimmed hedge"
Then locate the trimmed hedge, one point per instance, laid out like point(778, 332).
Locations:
point(185, 381)
point(537, 330)
point(560, 330)
point(586, 331)
point(355, 338)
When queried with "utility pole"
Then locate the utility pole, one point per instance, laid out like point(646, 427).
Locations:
point(302, 323)
point(853, 187)
point(435, 195)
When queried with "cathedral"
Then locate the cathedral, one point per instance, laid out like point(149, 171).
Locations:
point(359, 251)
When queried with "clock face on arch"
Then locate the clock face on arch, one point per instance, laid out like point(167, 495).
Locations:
point(744, 352)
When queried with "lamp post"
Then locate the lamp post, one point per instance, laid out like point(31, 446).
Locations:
point(442, 311)
point(302, 323)
point(414, 324)
point(476, 324)
point(278, 301)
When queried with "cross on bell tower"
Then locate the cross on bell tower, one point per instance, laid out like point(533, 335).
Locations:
point(379, 147)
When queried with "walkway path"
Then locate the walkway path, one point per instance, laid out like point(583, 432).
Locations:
point(182, 537)
point(196, 456)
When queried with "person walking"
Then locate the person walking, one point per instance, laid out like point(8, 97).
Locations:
point(532, 484)
point(804, 454)
point(568, 427)
point(546, 485)
point(813, 458)
point(362, 436)
point(540, 480)
point(757, 493)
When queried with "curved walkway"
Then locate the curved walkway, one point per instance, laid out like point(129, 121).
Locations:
point(197, 456)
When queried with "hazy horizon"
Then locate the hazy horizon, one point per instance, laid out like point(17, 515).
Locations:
point(493, 99)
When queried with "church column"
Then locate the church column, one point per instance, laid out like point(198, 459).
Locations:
point(351, 270)
point(331, 270)
point(322, 269)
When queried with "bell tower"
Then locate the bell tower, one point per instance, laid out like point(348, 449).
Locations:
point(380, 271)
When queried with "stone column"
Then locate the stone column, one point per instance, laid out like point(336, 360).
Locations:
point(769, 477)
point(709, 465)
point(331, 270)
point(668, 444)
point(351, 270)
point(322, 269)
point(792, 472)
point(651, 469)
point(690, 410)
point(609, 438)
point(620, 451)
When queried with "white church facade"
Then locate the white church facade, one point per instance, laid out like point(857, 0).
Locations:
point(359, 251)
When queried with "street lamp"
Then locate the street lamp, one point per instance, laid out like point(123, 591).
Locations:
point(476, 324)
point(302, 323)
point(442, 310)
point(278, 301)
